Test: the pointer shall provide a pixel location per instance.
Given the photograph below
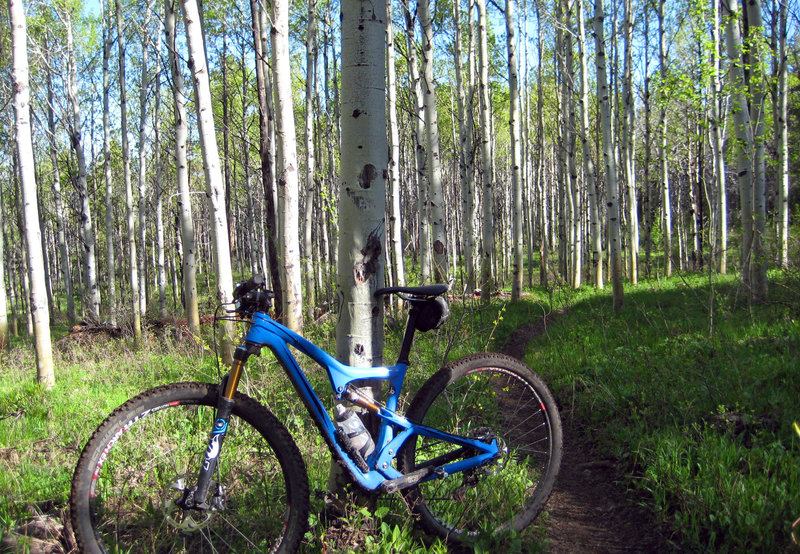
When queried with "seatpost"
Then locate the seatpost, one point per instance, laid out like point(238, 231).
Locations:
point(408, 338)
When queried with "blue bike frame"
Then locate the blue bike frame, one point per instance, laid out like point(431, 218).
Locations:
point(394, 428)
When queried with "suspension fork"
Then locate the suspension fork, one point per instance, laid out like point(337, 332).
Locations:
point(197, 497)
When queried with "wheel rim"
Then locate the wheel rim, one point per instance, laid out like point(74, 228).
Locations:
point(151, 460)
point(497, 496)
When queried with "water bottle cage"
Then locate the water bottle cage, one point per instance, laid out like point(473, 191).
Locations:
point(350, 449)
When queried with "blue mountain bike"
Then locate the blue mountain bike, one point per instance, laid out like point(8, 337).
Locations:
point(200, 467)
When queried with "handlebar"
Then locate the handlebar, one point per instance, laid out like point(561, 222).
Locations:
point(251, 296)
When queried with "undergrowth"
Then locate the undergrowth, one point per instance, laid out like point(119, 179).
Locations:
point(690, 388)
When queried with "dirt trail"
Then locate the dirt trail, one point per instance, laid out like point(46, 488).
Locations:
point(588, 510)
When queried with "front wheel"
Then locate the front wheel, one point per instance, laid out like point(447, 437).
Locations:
point(133, 472)
point(488, 397)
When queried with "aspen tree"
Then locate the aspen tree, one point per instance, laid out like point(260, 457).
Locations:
point(63, 252)
point(87, 231)
point(487, 253)
point(434, 165)
point(663, 151)
point(308, 265)
point(782, 137)
point(720, 245)
point(628, 132)
point(141, 207)
point(188, 260)
point(126, 164)
point(595, 224)
point(264, 91)
point(211, 166)
point(395, 217)
point(516, 152)
point(614, 242)
point(362, 201)
point(38, 294)
point(422, 157)
point(110, 225)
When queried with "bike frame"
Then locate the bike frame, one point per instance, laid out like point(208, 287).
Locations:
point(394, 429)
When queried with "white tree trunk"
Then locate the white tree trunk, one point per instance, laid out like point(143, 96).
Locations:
point(142, 182)
point(628, 132)
point(782, 139)
point(614, 243)
point(211, 165)
point(595, 224)
point(441, 268)
point(359, 331)
point(110, 224)
point(87, 232)
point(395, 218)
point(63, 252)
point(308, 256)
point(126, 163)
point(720, 245)
point(421, 155)
point(36, 270)
point(516, 152)
point(287, 169)
point(188, 260)
point(666, 212)
point(487, 184)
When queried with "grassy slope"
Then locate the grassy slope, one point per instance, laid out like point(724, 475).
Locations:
point(700, 419)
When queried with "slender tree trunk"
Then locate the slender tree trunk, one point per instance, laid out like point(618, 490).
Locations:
point(614, 243)
point(628, 131)
point(142, 205)
point(487, 184)
point(36, 270)
point(189, 257)
point(663, 153)
point(287, 169)
point(308, 266)
point(133, 274)
point(422, 156)
point(110, 224)
point(757, 80)
point(211, 165)
point(516, 153)
point(4, 328)
point(744, 136)
point(720, 246)
point(434, 165)
point(63, 252)
point(782, 138)
point(595, 224)
point(395, 217)
point(87, 232)
point(161, 274)
point(265, 147)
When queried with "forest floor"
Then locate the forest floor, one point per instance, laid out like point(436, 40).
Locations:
point(589, 509)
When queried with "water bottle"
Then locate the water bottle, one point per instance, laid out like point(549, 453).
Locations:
point(353, 430)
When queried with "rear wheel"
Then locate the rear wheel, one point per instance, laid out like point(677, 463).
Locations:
point(137, 466)
point(490, 397)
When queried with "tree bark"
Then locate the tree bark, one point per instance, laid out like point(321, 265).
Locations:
point(663, 152)
point(434, 166)
point(287, 170)
point(614, 243)
point(518, 272)
point(211, 165)
point(395, 217)
point(126, 162)
point(36, 270)
point(308, 256)
point(487, 184)
point(189, 258)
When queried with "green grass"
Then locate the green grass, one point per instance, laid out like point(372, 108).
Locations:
point(697, 414)
point(696, 405)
